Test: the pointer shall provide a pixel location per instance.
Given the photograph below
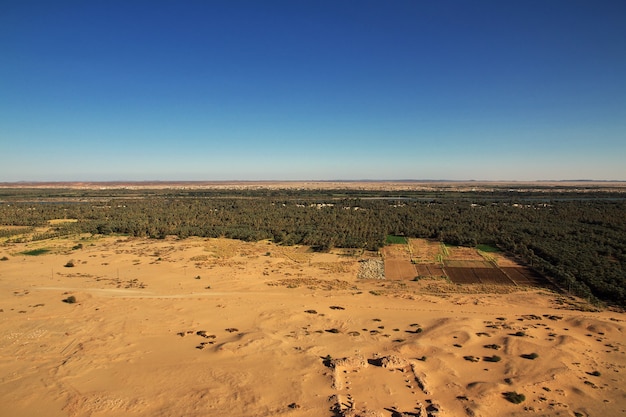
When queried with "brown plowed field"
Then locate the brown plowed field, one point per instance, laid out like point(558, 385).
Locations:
point(524, 276)
point(477, 276)
point(399, 269)
point(492, 276)
point(429, 270)
point(462, 275)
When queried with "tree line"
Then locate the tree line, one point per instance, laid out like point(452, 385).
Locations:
point(579, 241)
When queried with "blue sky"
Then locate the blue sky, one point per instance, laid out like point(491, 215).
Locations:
point(312, 90)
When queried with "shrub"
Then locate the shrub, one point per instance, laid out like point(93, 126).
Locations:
point(70, 300)
point(530, 356)
point(492, 346)
point(514, 397)
point(494, 358)
point(4, 258)
point(69, 264)
point(327, 361)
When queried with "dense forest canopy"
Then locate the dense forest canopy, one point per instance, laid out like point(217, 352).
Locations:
point(578, 237)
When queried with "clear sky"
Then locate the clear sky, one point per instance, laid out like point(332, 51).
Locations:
point(312, 90)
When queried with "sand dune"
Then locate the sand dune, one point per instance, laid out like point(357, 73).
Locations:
point(204, 327)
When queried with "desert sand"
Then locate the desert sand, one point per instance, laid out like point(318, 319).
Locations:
point(215, 327)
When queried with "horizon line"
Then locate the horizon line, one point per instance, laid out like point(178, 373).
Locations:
point(364, 180)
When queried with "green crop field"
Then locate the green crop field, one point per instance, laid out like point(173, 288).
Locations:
point(391, 239)
point(487, 248)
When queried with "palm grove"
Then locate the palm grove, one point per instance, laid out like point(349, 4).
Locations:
point(578, 240)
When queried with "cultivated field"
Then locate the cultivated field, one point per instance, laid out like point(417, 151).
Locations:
point(422, 258)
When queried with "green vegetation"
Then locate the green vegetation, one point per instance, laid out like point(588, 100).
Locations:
point(35, 252)
point(391, 240)
point(574, 236)
point(487, 248)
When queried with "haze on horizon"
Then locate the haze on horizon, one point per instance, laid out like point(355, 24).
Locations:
point(312, 90)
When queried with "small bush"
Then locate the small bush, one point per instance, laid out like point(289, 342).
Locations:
point(494, 358)
point(69, 264)
point(4, 258)
point(327, 361)
point(530, 356)
point(514, 397)
point(70, 300)
point(492, 346)
point(519, 334)
point(595, 373)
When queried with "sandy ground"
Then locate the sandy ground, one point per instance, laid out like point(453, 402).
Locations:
point(207, 327)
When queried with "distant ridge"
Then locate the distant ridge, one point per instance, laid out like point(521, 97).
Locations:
point(365, 184)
